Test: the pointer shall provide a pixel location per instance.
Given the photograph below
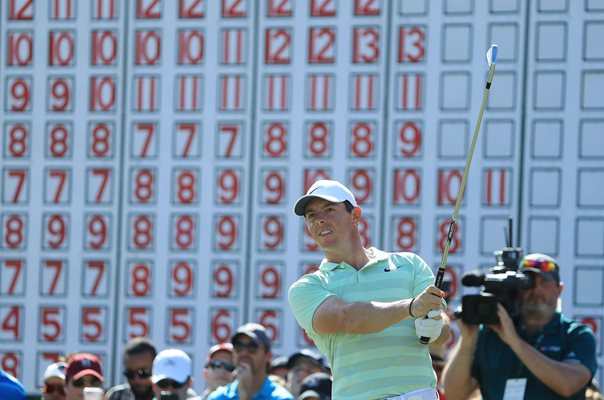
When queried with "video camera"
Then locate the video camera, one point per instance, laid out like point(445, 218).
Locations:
point(500, 285)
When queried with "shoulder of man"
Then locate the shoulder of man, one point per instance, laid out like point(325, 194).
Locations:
point(279, 392)
point(223, 392)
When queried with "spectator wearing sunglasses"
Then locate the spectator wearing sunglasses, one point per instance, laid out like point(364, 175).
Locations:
point(540, 355)
point(83, 370)
point(252, 355)
point(138, 361)
point(219, 367)
point(53, 387)
point(172, 370)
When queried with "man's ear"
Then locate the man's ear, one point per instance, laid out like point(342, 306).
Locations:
point(356, 214)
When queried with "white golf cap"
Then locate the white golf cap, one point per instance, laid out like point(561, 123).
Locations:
point(325, 189)
point(172, 364)
point(55, 370)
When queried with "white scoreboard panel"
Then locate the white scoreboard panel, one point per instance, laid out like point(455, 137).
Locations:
point(151, 152)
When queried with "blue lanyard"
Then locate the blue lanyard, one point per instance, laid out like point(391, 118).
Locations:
point(536, 346)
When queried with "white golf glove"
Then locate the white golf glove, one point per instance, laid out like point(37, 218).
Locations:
point(429, 327)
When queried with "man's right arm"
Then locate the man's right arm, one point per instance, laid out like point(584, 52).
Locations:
point(337, 315)
point(458, 382)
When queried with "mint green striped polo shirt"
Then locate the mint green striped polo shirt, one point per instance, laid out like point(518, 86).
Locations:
point(375, 365)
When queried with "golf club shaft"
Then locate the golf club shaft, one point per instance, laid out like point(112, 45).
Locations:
point(443, 261)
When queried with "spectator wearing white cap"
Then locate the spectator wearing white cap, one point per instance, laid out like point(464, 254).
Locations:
point(53, 387)
point(252, 360)
point(172, 369)
point(218, 370)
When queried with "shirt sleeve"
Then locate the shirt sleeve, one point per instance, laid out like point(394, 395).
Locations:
point(305, 296)
point(583, 347)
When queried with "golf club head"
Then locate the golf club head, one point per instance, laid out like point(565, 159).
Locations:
point(492, 55)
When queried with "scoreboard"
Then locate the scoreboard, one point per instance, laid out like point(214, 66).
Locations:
point(151, 152)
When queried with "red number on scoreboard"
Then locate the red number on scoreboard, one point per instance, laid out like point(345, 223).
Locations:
point(61, 48)
point(53, 278)
point(366, 45)
point(272, 234)
point(406, 189)
point(104, 47)
point(60, 94)
point(270, 280)
point(223, 324)
point(318, 139)
point(182, 279)
point(186, 186)
point(362, 183)
point(11, 277)
point(11, 322)
point(273, 186)
point(20, 48)
point(15, 188)
point(99, 186)
point(277, 46)
point(229, 186)
point(100, 140)
point(21, 9)
point(234, 9)
point(180, 325)
point(275, 141)
point(321, 45)
point(56, 232)
point(230, 140)
point(226, 236)
point(406, 231)
point(143, 142)
point(224, 279)
point(96, 278)
point(18, 94)
point(97, 232)
point(16, 143)
point(141, 232)
point(138, 321)
point(93, 323)
point(279, 8)
point(411, 44)
point(184, 232)
point(323, 8)
point(140, 275)
point(14, 231)
point(143, 184)
point(272, 320)
point(52, 323)
point(191, 9)
point(187, 140)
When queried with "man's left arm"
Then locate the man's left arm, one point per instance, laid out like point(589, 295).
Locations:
point(563, 377)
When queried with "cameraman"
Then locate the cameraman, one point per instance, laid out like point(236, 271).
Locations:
point(543, 355)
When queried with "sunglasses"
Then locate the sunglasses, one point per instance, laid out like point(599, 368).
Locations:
point(51, 388)
point(251, 347)
point(166, 383)
point(543, 266)
point(82, 382)
point(141, 373)
point(215, 364)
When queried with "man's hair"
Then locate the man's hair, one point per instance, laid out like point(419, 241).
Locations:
point(140, 345)
point(348, 205)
